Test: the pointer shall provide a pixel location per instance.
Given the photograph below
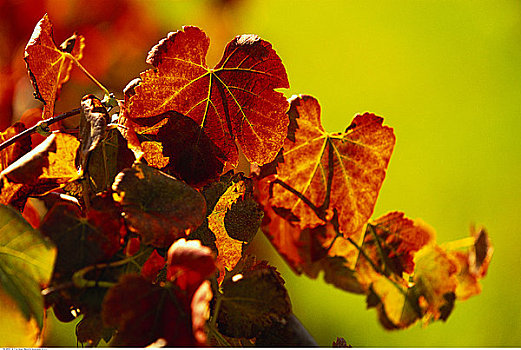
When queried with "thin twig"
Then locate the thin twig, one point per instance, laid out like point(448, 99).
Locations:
point(40, 125)
point(86, 72)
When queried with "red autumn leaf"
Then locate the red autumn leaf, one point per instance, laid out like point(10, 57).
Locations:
point(189, 263)
point(233, 101)
point(48, 65)
point(152, 266)
point(391, 242)
point(323, 172)
point(132, 247)
point(143, 312)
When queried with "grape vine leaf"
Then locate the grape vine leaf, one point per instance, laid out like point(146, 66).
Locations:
point(16, 150)
point(235, 100)
point(233, 218)
point(473, 264)
point(190, 156)
point(254, 297)
point(157, 206)
point(175, 310)
point(26, 264)
point(323, 172)
point(189, 263)
point(81, 240)
point(45, 168)
point(143, 312)
point(93, 124)
point(152, 266)
point(49, 66)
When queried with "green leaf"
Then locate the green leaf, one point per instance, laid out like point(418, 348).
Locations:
point(253, 300)
point(26, 263)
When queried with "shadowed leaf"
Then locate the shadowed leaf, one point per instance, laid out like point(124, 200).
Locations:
point(157, 206)
point(143, 312)
point(254, 297)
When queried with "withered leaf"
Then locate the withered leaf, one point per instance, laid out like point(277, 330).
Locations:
point(473, 264)
point(93, 125)
point(90, 330)
point(157, 206)
point(143, 312)
point(48, 65)
point(235, 100)
point(254, 297)
point(323, 172)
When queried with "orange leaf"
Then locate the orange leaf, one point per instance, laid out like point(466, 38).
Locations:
point(48, 65)
point(323, 172)
point(233, 101)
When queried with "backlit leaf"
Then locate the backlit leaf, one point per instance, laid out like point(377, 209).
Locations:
point(16, 150)
point(233, 101)
point(233, 218)
point(48, 65)
point(326, 172)
point(26, 264)
point(45, 168)
point(157, 206)
point(254, 297)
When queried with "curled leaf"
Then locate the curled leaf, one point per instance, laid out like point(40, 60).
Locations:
point(49, 66)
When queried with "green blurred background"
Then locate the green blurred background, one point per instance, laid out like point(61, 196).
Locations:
point(447, 76)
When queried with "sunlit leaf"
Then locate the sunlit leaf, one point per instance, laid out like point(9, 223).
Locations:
point(323, 172)
point(233, 218)
point(48, 65)
point(157, 206)
point(233, 101)
point(26, 264)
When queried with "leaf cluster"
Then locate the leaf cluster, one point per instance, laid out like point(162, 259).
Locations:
point(146, 218)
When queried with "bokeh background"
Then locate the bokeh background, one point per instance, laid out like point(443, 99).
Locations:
point(446, 74)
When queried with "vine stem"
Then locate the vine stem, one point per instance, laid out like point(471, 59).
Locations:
point(79, 280)
point(86, 72)
point(41, 125)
